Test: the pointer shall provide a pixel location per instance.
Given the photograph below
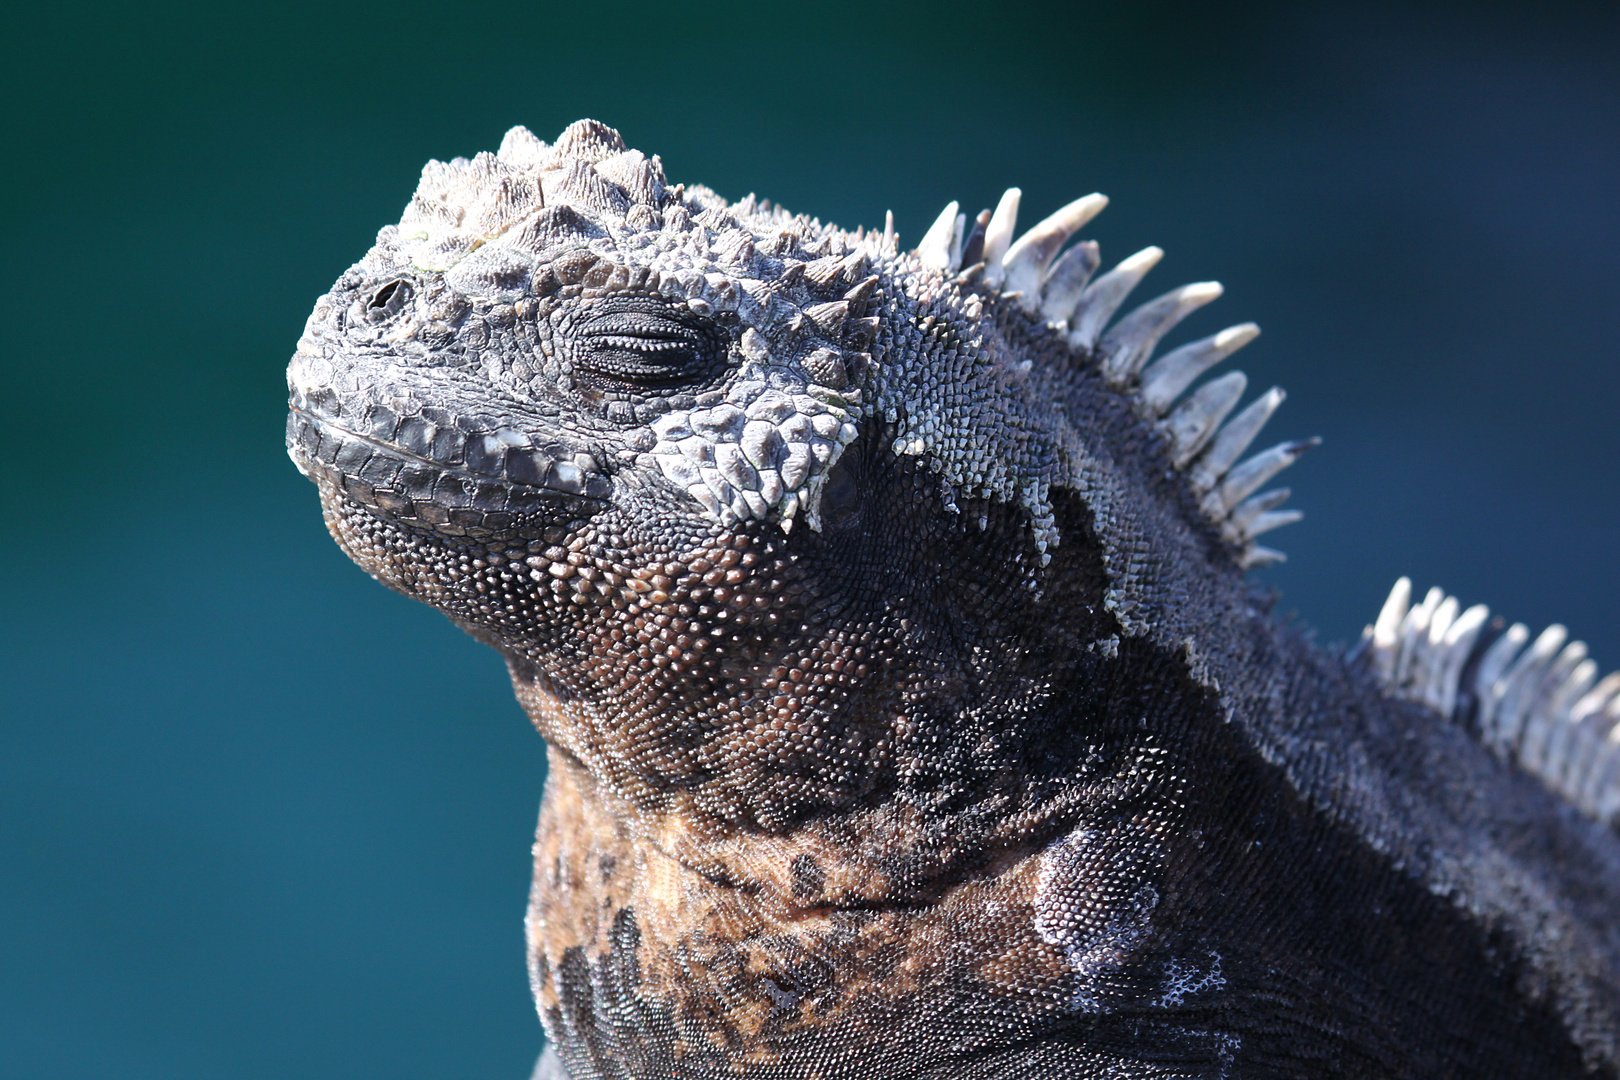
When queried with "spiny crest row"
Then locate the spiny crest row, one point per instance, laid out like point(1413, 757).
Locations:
point(1542, 707)
point(1064, 291)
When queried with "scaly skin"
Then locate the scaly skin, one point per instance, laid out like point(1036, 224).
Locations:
point(908, 712)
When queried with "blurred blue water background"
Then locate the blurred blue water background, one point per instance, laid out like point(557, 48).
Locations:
point(261, 818)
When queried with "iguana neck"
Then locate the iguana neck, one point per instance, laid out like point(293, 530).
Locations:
point(971, 716)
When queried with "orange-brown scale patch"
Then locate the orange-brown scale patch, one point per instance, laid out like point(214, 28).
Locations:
point(749, 974)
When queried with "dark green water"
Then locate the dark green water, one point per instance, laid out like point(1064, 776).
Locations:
point(260, 818)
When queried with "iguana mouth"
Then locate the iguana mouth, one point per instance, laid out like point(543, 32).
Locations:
point(498, 485)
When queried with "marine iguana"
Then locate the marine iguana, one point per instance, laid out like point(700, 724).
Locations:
point(908, 711)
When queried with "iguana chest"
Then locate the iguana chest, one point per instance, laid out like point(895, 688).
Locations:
point(643, 965)
point(1213, 925)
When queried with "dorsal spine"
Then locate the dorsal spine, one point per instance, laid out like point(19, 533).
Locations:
point(1538, 705)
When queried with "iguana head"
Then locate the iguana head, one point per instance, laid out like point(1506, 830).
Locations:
point(740, 493)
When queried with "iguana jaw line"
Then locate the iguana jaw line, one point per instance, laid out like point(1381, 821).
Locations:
point(318, 446)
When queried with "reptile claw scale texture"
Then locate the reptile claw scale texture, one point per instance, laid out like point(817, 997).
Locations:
point(908, 711)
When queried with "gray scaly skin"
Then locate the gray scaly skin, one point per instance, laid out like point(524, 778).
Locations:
point(908, 711)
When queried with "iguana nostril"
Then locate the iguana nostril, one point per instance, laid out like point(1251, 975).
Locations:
point(388, 298)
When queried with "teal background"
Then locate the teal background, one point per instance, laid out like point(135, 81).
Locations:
point(260, 818)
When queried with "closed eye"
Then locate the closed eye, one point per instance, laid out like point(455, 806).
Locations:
point(643, 341)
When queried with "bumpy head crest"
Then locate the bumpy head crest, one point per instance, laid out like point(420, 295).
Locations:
point(586, 213)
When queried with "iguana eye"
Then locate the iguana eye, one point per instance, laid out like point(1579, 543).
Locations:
point(641, 341)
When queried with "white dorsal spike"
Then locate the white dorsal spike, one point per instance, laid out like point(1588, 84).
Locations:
point(1501, 654)
point(1244, 479)
point(1168, 376)
point(1597, 786)
point(1605, 728)
point(1067, 280)
point(1545, 713)
point(1190, 426)
point(1605, 782)
point(1251, 508)
point(934, 249)
point(1593, 701)
point(1271, 519)
point(1104, 296)
point(1458, 646)
point(1413, 633)
point(957, 240)
point(1386, 632)
point(998, 235)
point(1593, 773)
point(1431, 651)
point(1572, 695)
point(1026, 261)
point(1129, 345)
point(1582, 747)
point(1516, 690)
point(1550, 696)
point(1444, 616)
point(1235, 438)
point(1582, 673)
point(1565, 750)
point(1589, 713)
point(1257, 556)
point(1521, 686)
